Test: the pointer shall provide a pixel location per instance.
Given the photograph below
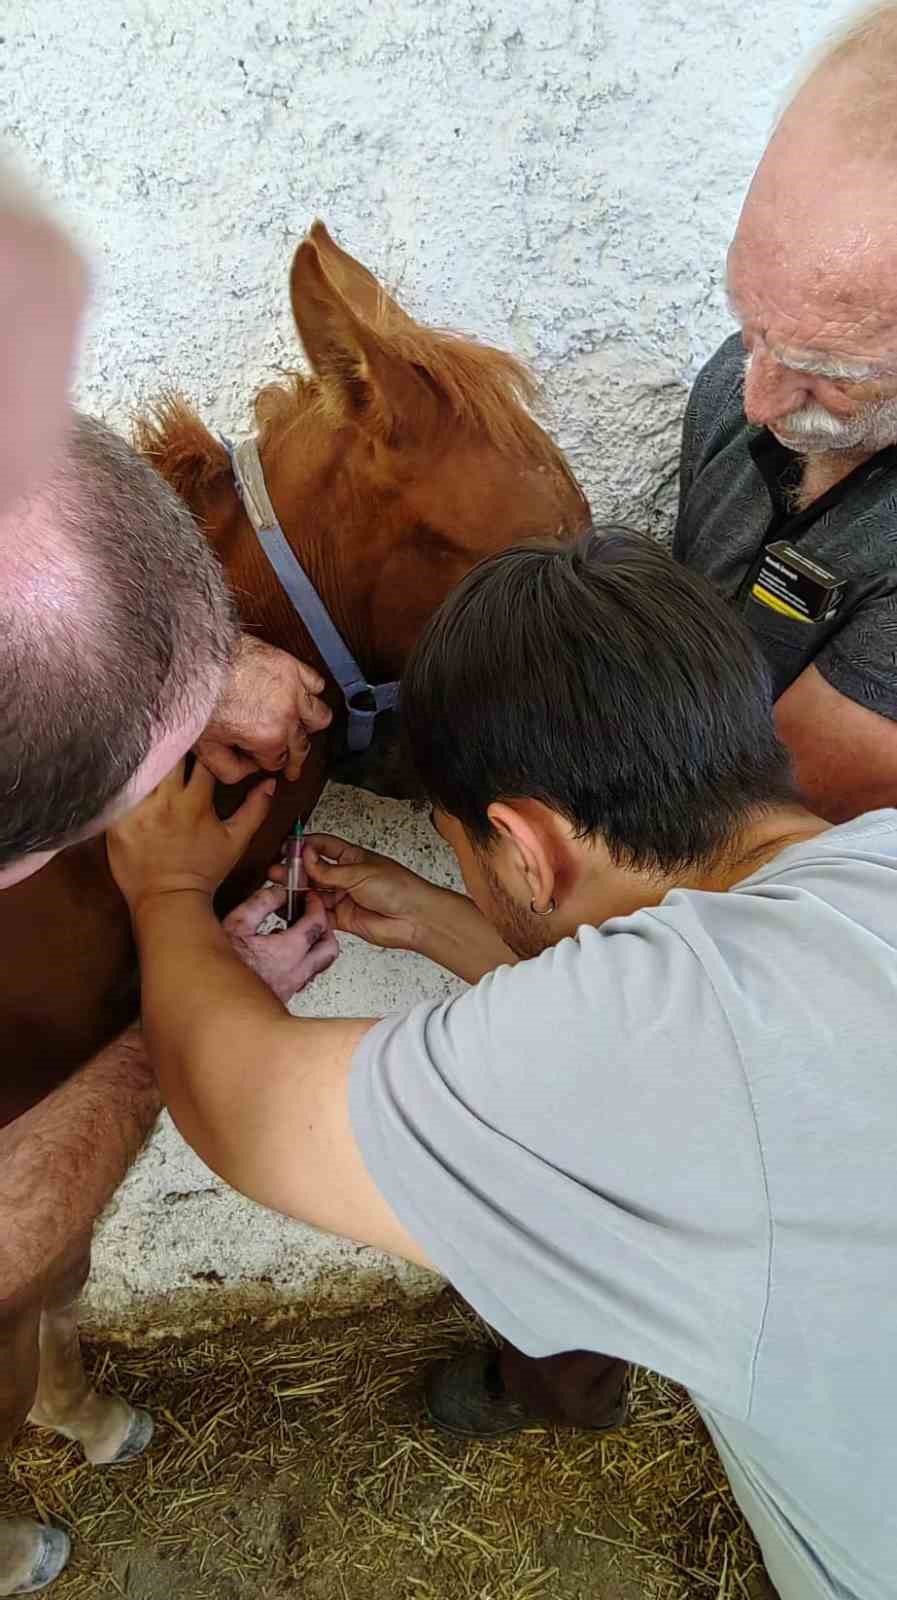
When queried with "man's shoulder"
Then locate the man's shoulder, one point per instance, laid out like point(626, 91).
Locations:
point(714, 423)
point(724, 370)
point(716, 395)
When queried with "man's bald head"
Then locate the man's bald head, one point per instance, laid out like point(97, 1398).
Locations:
point(813, 266)
point(859, 55)
point(115, 632)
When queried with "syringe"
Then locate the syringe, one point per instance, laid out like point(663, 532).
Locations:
point(297, 878)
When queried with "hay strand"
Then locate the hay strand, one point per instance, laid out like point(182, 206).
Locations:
point(294, 1460)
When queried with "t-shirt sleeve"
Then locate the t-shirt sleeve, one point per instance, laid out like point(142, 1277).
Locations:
point(860, 661)
point(572, 1143)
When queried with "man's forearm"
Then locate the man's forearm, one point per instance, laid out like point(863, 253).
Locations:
point(61, 1162)
point(457, 936)
point(228, 1054)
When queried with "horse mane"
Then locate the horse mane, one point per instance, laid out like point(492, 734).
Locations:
point(488, 391)
point(179, 445)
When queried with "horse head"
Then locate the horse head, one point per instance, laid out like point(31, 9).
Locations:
point(403, 457)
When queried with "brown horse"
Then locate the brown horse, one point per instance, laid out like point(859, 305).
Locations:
point(406, 456)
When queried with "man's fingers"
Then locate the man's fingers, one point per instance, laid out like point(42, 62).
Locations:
point(321, 956)
point(339, 851)
point(246, 919)
point(173, 783)
point(311, 679)
point(297, 752)
point(316, 917)
point(312, 926)
point(328, 875)
point(224, 763)
point(339, 875)
point(201, 785)
point(248, 818)
point(314, 935)
point(316, 713)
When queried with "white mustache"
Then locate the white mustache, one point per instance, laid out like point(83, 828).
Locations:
point(815, 430)
point(816, 422)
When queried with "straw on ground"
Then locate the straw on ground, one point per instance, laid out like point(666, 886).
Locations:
point(294, 1460)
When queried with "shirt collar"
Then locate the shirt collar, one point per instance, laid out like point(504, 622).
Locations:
point(780, 469)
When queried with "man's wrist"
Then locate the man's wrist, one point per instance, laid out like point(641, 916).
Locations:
point(445, 924)
point(180, 891)
point(430, 920)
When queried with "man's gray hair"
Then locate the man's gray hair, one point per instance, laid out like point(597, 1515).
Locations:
point(115, 625)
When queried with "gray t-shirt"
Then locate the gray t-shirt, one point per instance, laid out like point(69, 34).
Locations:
point(674, 1139)
point(735, 484)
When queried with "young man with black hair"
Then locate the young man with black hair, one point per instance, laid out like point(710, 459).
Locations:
point(661, 1122)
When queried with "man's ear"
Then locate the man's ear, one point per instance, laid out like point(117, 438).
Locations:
point(525, 828)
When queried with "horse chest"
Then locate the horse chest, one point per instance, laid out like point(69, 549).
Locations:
point(69, 974)
point(68, 969)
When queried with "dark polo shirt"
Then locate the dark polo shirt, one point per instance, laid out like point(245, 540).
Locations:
point(734, 501)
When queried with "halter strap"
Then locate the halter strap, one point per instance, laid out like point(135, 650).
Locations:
point(249, 478)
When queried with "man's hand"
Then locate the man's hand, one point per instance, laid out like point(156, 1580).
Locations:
point(368, 894)
point(265, 716)
point(175, 840)
point(388, 905)
point(286, 961)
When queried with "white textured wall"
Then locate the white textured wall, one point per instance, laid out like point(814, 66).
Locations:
point(559, 176)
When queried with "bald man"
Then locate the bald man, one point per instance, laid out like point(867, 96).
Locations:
point(789, 504)
point(789, 462)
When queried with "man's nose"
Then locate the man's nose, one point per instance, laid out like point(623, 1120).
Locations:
point(772, 391)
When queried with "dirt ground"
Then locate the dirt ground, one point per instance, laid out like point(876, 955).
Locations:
point(293, 1460)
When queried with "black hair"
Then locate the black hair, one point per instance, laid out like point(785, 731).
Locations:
point(606, 681)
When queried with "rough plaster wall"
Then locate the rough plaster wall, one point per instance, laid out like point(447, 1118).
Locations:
point(559, 176)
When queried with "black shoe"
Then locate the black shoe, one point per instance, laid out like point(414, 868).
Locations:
point(466, 1397)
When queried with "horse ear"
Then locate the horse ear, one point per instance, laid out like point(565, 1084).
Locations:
point(372, 384)
point(356, 284)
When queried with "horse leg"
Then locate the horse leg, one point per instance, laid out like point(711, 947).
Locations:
point(31, 1554)
point(109, 1431)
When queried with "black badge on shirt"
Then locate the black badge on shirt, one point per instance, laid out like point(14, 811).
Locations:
point(795, 586)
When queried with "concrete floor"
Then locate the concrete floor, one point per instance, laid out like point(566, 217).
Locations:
point(175, 1235)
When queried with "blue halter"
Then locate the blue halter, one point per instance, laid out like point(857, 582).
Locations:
point(364, 701)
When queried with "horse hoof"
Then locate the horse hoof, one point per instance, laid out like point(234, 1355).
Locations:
point(136, 1439)
point(52, 1550)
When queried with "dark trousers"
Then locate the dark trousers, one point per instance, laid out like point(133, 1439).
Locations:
point(579, 1387)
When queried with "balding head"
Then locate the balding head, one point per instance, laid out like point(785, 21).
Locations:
point(813, 266)
point(115, 633)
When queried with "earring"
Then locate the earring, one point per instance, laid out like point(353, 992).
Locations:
point(551, 907)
